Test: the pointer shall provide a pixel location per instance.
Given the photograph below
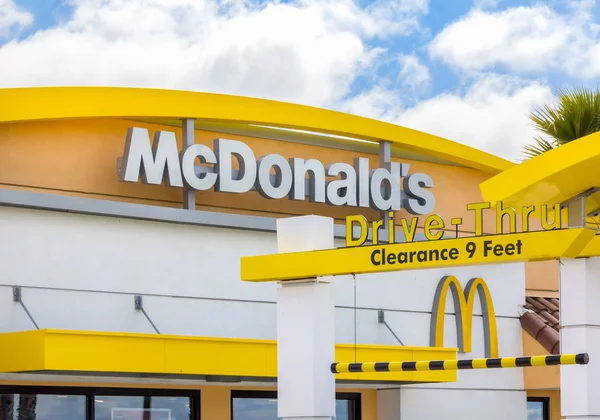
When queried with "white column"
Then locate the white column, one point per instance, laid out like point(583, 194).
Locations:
point(388, 404)
point(580, 333)
point(305, 327)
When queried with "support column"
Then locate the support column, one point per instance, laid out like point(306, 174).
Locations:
point(305, 327)
point(187, 136)
point(580, 332)
point(385, 158)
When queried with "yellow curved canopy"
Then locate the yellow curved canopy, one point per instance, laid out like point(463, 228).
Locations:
point(231, 113)
point(550, 178)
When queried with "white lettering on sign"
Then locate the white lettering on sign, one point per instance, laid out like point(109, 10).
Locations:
point(273, 176)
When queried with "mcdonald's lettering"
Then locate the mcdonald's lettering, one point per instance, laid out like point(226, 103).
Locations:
point(463, 307)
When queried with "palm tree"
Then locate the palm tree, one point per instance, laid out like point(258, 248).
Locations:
point(7, 406)
point(576, 114)
point(27, 407)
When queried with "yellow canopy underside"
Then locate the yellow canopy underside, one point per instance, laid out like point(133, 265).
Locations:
point(226, 113)
point(99, 353)
point(550, 178)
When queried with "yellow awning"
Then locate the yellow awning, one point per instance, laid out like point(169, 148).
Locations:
point(550, 178)
point(105, 354)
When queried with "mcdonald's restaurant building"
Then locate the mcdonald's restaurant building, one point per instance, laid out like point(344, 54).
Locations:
point(124, 214)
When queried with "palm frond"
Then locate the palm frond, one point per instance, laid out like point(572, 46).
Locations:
point(576, 114)
point(540, 146)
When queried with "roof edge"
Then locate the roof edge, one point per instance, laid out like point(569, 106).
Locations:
point(50, 103)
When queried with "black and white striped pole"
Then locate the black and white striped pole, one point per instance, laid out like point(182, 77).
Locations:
point(454, 364)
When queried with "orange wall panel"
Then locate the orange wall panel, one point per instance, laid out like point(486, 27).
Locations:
point(554, 401)
point(541, 377)
point(541, 278)
point(79, 157)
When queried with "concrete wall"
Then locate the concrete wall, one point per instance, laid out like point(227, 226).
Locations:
point(81, 272)
point(427, 404)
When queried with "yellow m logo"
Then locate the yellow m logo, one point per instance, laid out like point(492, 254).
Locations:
point(463, 307)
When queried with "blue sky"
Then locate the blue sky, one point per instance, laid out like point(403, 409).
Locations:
point(467, 70)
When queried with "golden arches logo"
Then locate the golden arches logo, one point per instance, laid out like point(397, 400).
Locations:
point(463, 307)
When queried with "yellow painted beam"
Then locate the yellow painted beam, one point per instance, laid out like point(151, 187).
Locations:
point(99, 352)
point(592, 249)
point(552, 177)
point(531, 246)
point(45, 103)
point(345, 354)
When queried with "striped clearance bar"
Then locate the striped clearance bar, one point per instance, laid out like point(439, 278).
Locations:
point(500, 362)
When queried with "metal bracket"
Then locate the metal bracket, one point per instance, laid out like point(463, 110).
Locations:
point(584, 194)
point(385, 159)
point(594, 213)
point(381, 320)
point(576, 206)
point(17, 298)
point(187, 138)
point(139, 306)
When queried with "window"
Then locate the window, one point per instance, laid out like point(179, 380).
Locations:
point(262, 405)
point(28, 406)
point(537, 408)
point(50, 403)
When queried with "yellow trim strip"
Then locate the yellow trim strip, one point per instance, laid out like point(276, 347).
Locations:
point(508, 362)
point(479, 363)
point(97, 352)
point(448, 365)
point(34, 104)
point(534, 246)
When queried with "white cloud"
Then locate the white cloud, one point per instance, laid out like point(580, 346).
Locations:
point(376, 103)
point(307, 51)
point(491, 115)
point(523, 39)
point(12, 17)
point(413, 74)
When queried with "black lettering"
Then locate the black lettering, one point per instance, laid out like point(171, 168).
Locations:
point(422, 256)
point(445, 254)
point(454, 253)
point(510, 249)
point(383, 256)
point(377, 251)
point(412, 254)
point(402, 257)
point(391, 258)
point(519, 243)
point(498, 250)
point(487, 247)
point(434, 255)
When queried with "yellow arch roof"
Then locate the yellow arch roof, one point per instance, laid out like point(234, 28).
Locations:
point(237, 114)
point(552, 177)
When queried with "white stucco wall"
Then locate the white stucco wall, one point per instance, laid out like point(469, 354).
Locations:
point(81, 272)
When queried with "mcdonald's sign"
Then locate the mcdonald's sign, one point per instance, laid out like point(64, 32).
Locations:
point(463, 307)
